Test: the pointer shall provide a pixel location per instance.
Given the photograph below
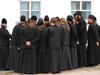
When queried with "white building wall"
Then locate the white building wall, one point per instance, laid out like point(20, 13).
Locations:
point(10, 9)
point(96, 9)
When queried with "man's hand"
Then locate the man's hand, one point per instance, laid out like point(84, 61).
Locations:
point(97, 43)
point(28, 43)
point(18, 48)
point(77, 43)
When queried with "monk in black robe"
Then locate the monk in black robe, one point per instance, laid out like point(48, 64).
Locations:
point(15, 43)
point(42, 47)
point(46, 21)
point(82, 38)
point(98, 26)
point(65, 42)
point(73, 41)
point(54, 57)
point(28, 52)
point(93, 42)
point(4, 44)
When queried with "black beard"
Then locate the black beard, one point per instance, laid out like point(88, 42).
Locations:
point(88, 22)
point(68, 23)
point(78, 19)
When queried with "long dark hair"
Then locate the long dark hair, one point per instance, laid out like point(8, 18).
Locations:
point(32, 23)
point(41, 27)
point(65, 22)
point(54, 20)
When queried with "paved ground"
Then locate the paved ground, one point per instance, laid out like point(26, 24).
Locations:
point(80, 71)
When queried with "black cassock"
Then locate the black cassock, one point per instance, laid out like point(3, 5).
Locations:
point(4, 47)
point(92, 51)
point(82, 37)
point(54, 60)
point(42, 51)
point(13, 54)
point(99, 43)
point(27, 63)
point(73, 49)
point(66, 57)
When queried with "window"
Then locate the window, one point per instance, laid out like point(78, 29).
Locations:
point(84, 6)
point(30, 8)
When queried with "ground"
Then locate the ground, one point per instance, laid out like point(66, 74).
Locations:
point(80, 71)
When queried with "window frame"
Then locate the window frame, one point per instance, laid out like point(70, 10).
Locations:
point(30, 3)
point(81, 6)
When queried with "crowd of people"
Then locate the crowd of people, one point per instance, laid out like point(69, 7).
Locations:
point(50, 45)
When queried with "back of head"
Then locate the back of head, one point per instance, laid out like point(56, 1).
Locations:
point(41, 24)
point(70, 18)
point(34, 18)
point(57, 18)
point(33, 21)
point(65, 22)
point(54, 21)
point(22, 18)
point(46, 18)
point(78, 13)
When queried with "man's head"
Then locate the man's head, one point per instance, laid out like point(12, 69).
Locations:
point(78, 15)
point(4, 23)
point(46, 19)
point(90, 19)
point(69, 19)
point(34, 18)
point(23, 18)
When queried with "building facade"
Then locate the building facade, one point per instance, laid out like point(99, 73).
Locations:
point(13, 9)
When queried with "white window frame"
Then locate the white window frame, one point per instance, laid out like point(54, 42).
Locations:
point(81, 5)
point(30, 1)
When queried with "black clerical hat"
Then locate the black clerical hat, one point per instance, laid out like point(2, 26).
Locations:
point(46, 18)
point(22, 18)
point(57, 18)
point(40, 22)
point(34, 18)
point(91, 17)
point(78, 13)
point(4, 21)
point(70, 18)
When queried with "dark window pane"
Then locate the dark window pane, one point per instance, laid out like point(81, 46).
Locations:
point(85, 14)
point(24, 6)
point(86, 5)
point(75, 5)
point(35, 5)
point(36, 13)
point(72, 13)
point(26, 13)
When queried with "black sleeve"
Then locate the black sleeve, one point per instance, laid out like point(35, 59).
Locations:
point(19, 38)
point(62, 32)
point(95, 33)
point(74, 33)
point(15, 35)
point(80, 26)
point(48, 34)
point(37, 37)
point(22, 36)
point(5, 33)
